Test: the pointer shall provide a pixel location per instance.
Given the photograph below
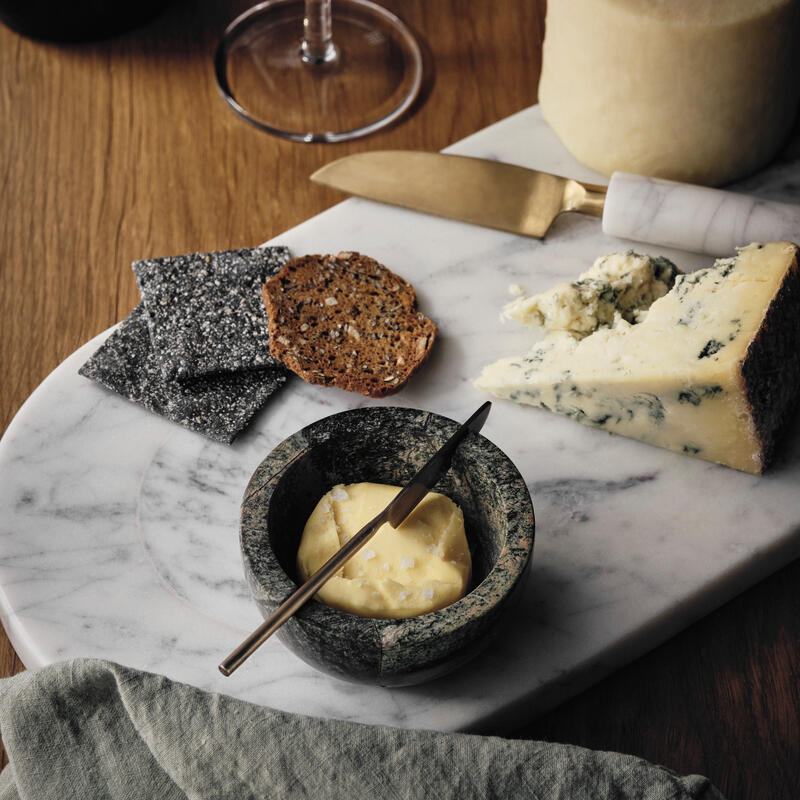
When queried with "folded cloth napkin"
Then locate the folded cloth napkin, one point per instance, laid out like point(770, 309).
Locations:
point(92, 729)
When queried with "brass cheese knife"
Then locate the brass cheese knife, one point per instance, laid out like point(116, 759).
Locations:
point(525, 201)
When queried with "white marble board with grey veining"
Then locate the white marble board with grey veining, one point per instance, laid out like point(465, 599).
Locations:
point(118, 530)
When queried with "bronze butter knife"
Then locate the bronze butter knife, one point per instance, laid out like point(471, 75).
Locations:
point(525, 201)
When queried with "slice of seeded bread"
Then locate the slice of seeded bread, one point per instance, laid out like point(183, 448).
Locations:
point(347, 321)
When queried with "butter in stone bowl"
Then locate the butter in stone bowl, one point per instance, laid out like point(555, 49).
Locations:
point(385, 444)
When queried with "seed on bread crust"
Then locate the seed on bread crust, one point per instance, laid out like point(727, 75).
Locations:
point(347, 321)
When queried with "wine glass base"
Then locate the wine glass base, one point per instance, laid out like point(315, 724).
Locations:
point(369, 80)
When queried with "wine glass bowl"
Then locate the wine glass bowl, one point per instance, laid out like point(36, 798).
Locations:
point(312, 71)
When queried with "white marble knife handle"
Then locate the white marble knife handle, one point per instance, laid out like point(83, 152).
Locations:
point(693, 218)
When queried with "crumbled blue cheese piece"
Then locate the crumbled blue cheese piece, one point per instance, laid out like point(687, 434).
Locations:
point(620, 285)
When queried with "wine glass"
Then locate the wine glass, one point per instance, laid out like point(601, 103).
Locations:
point(311, 73)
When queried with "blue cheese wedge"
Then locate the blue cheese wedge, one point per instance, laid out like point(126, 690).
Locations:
point(619, 284)
point(713, 370)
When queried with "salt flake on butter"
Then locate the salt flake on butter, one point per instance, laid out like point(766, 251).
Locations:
point(339, 494)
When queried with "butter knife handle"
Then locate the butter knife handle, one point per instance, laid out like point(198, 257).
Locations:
point(693, 218)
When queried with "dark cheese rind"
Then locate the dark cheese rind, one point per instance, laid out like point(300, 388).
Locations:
point(219, 407)
point(204, 310)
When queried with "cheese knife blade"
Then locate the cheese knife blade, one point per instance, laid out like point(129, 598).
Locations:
point(476, 190)
point(526, 201)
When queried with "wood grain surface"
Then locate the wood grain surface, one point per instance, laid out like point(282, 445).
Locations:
point(123, 149)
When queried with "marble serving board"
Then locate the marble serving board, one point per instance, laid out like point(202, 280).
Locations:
point(118, 530)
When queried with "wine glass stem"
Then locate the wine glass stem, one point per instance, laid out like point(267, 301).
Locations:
point(318, 46)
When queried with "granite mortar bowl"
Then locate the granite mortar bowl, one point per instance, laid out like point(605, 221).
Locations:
point(385, 444)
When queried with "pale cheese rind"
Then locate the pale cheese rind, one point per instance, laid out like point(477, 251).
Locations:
point(712, 371)
point(699, 91)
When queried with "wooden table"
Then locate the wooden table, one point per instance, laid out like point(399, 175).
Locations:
point(123, 149)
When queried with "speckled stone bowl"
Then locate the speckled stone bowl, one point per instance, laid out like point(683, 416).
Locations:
point(386, 445)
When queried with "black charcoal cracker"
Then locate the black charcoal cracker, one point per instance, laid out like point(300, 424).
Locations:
point(205, 312)
point(218, 407)
point(124, 363)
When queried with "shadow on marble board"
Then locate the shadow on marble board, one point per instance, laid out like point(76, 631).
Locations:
point(446, 349)
point(787, 456)
point(780, 179)
point(791, 151)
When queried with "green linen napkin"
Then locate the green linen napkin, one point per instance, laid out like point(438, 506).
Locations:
point(93, 729)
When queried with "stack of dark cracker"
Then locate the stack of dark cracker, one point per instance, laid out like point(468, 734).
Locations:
point(196, 349)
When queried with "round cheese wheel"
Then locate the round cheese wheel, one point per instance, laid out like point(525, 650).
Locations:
point(703, 91)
